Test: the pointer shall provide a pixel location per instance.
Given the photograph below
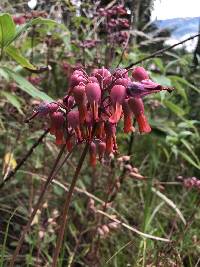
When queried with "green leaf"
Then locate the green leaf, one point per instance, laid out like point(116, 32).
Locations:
point(13, 100)
point(7, 29)
point(174, 108)
point(161, 80)
point(4, 75)
point(184, 82)
point(191, 150)
point(21, 29)
point(17, 56)
point(189, 159)
point(159, 63)
point(26, 86)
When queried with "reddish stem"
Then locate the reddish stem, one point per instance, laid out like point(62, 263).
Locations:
point(65, 212)
point(36, 208)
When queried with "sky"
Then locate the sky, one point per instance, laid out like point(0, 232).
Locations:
point(168, 9)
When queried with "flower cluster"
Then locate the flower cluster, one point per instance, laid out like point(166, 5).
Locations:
point(116, 23)
point(95, 104)
point(190, 182)
point(21, 19)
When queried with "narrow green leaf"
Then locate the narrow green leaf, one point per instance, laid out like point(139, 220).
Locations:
point(190, 149)
point(4, 75)
point(189, 159)
point(7, 29)
point(183, 81)
point(13, 100)
point(26, 86)
point(180, 89)
point(174, 108)
point(17, 56)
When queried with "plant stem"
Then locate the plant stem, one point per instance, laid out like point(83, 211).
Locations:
point(37, 207)
point(23, 160)
point(65, 212)
point(161, 51)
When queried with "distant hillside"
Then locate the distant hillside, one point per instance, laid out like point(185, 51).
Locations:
point(180, 26)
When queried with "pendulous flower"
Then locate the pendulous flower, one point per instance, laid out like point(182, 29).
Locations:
point(117, 95)
point(137, 107)
point(93, 93)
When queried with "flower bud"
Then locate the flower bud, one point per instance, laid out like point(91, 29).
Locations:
point(19, 20)
point(77, 79)
point(92, 79)
point(139, 74)
point(52, 107)
point(120, 73)
point(42, 108)
point(68, 101)
point(123, 81)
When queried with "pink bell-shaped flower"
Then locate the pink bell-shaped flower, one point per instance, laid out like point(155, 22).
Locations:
point(117, 95)
point(80, 99)
point(93, 92)
point(128, 117)
point(137, 106)
point(74, 123)
point(57, 126)
point(111, 144)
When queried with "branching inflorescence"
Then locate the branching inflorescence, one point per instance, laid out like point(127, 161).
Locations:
point(95, 104)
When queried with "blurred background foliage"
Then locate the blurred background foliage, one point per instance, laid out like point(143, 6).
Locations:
point(37, 58)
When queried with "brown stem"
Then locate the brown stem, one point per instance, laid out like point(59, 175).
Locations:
point(64, 216)
point(161, 51)
point(37, 207)
point(23, 160)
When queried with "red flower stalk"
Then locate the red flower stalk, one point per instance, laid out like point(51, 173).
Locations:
point(69, 145)
point(57, 126)
point(74, 123)
point(80, 99)
point(93, 92)
point(101, 150)
point(92, 154)
point(139, 74)
point(137, 106)
point(128, 115)
point(110, 130)
point(117, 95)
point(89, 124)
